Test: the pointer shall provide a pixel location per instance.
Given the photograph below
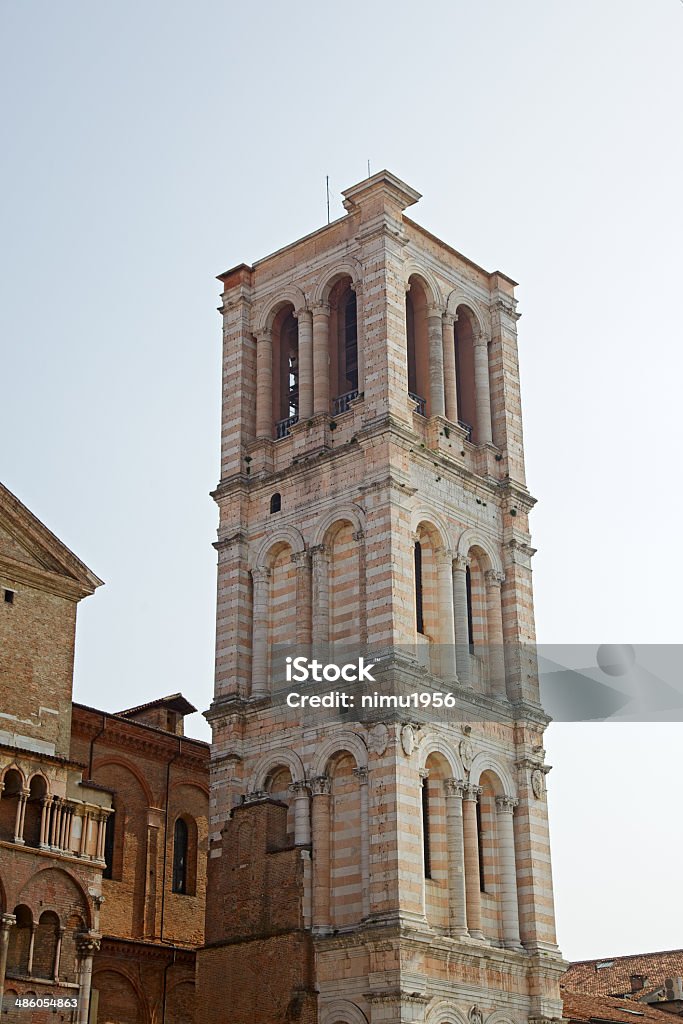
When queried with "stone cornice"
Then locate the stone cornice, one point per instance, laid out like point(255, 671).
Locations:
point(54, 556)
point(45, 580)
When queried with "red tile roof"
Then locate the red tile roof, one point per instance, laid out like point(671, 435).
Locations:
point(581, 1007)
point(612, 975)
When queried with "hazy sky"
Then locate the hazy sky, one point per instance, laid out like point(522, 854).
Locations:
point(147, 147)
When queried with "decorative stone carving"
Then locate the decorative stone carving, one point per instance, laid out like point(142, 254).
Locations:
point(321, 785)
point(475, 1016)
point(408, 740)
point(378, 739)
point(466, 753)
point(537, 786)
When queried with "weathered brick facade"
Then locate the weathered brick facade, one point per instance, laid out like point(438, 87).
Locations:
point(372, 493)
point(95, 901)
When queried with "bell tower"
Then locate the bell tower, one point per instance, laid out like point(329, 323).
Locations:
point(382, 862)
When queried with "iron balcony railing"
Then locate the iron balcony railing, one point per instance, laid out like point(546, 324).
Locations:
point(282, 426)
point(420, 402)
point(342, 403)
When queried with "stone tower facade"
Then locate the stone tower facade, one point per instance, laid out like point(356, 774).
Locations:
point(391, 864)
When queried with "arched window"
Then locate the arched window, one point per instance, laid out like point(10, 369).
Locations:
point(275, 502)
point(343, 363)
point(8, 805)
point(20, 942)
point(34, 808)
point(45, 963)
point(285, 371)
point(350, 364)
point(419, 597)
point(417, 345)
point(180, 837)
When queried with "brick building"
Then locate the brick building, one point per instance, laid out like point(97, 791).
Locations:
point(391, 865)
point(103, 817)
point(52, 819)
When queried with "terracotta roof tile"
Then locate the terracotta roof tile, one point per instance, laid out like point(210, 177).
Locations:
point(612, 975)
point(578, 1006)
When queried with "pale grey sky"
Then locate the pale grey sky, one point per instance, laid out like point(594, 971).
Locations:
point(147, 147)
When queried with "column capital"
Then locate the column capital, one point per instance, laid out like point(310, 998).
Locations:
point(265, 334)
point(494, 578)
point(301, 558)
point(298, 788)
point(256, 796)
point(321, 309)
point(358, 535)
point(471, 792)
point(320, 551)
point(260, 574)
point(461, 562)
point(481, 339)
point(87, 945)
point(303, 313)
point(361, 774)
point(454, 787)
point(321, 785)
point(506, 804)
point(6, 922)
point(443, 556)
point(435, 311)
point(449, 318)
point(423, 773)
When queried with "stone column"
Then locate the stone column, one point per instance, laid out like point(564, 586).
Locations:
point(302, 823)
point(457, 901)
point(505, 806)
point(436, 373)
point(70, 830)
point(362, 776)
point(58, 952)
point(305, 319)
point(6, 922)
point(320, 788)
point(19, 820)
point(56, 823)
point(494, 621)
point(482, 389)
point(321, 597)
point(44, 818)
point(99, 846)
point(321, 359)
point(63, 826)
point(264, 384)
point(444, 560)
point(471, 843)
point(449, 372)
point(462, 636)
point(85, 828)
point(31, 947)
point(259, 649)
point(87, 946)
point(359, 537)
point(302, 561)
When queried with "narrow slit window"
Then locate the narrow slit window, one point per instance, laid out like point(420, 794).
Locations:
point(470, 622)
point(426, 846)
point(180, 857)
point(109, 836)
point(419, 604)
point(480, 848)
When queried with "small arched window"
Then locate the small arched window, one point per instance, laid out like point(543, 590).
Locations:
point(275, 502)
point(180, 837)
